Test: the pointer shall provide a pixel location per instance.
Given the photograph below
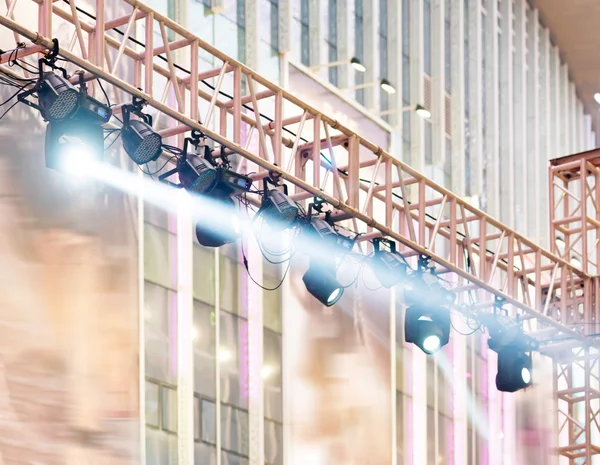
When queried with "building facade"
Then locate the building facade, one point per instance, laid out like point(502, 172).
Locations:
point(501, 106)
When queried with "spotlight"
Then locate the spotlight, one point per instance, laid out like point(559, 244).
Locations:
point(73, 146)
point(196, 174)
point(58, 99)
point(321, 282)
point(427, 327)
point(221, 225)
point(387, 86)
point(514, 370)
point(388, 266)
point(140, 141)
point(279, 211)
point(357, 65)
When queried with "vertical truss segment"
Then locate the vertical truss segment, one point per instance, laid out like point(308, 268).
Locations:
point(577, 393)
point(188, 83)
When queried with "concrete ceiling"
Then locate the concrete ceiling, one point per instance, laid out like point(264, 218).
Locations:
point(574, 27)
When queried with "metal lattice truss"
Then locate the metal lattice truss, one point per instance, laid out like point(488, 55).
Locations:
point(191, 84)
point(577, 389)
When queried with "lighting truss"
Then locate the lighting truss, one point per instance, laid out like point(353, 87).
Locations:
point(314, 154)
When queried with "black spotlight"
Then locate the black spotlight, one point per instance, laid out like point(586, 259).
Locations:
point(140, 141)
point(321, 282)
point(388, 266)
point(278, 210)
point(73, 146)
point(58, 99)
point(196, 174)
point(514, 370)
point(221, 225)
point(427, 320)
point(427, 327)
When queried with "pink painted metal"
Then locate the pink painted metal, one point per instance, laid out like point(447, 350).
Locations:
point(375, 193)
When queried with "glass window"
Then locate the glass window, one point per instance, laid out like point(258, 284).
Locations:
point(204, 454)
point(272, 375)
point(233, 360)
point(428, 144)
point(427, 36)
point(161, 448)
point(448, 164)
point(169, 409)
point(274, 24)
point(273, 443)
point(332, 40)
point(203, 334)
point(234, 430)
point(447, 46)
point(160, 256)
point(229, 282)
point(204, 274)
point(305, 32)
point(209, 418)
point(359, 46)
point(227, 458)
point(383, 53)
point(152, 414)
point(160, 333)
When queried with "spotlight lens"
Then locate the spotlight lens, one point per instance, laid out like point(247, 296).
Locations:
point(526, 375)
point(431, 343)
point(334, 296)
point(77, 159)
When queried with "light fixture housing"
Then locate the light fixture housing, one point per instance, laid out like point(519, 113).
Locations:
point(422, 112)
point(389, 268)
point(141, 142)
point(58, 99)
point(425, 325)
point(357, 65)
point(196, 174)
point(279, 211)
point(387, 86)
point(221, 226)
point(514, 370)
point(73, 146)
point(320, 281)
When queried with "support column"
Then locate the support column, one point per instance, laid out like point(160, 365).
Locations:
point(185, 323)
point(507, 158)
point(458, 97)
point(492, 144)
point(315, 33)
point(438, 91)
point(371, 54)
point(252, 32)
point(520, 154)
point(417, 158)
point(475, 98)
point(536, 168)
point(460, 400)
point(395, 70)
point(345, 40)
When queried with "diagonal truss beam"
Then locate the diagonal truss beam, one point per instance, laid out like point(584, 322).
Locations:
point(172, 70)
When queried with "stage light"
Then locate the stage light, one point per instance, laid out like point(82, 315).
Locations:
point(387, 86)
point(389, 268)
point(58, 99)
point(196, 174)
point(560, 244)
point(514, 370)
point(427, 327)
point(141, 142)
point(357, 65)
point(279, 211)
point(321, 282)
point(221, 225)
point(73, 146)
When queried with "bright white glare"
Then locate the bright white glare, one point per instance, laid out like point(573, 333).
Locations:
point(194, 334)
point(388, 88)
point(334, 296)
point(425, 318)
point(501, 435)
point(431, 343)
point(526, 375)
point(423, 113)
point(575, 262)
point(77, 160)
point(357, 65)
point(224, 354)
point(266, 372)
point(597, 97)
